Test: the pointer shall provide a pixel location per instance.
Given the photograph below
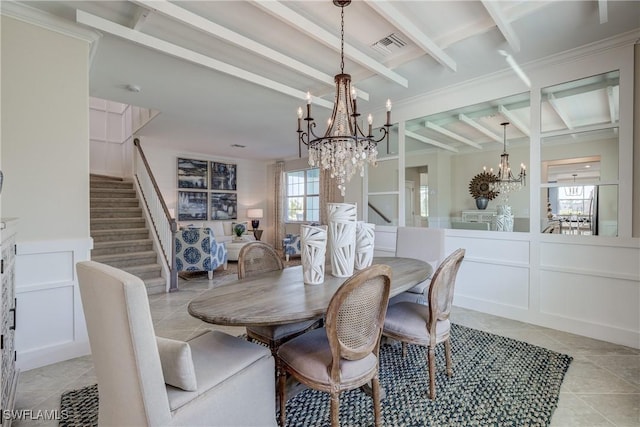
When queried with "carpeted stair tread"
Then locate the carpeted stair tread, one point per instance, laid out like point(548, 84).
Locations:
point(111, 184)
point(112, 193)
point(126, 259)
point(145, 271)
point(121, 247)
point(117, 223)
point(118, 212)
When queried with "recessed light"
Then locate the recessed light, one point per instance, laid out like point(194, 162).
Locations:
point(587, 166)
point(134, 88)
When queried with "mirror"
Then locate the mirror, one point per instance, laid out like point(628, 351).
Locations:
point(579, 156)
point(445, 151)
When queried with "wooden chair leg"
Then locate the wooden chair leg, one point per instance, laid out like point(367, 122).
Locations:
point(447, 353)
point(404, 350)
point(282, 392)
point(432, 373)
point(335, 409)
point(377, 414)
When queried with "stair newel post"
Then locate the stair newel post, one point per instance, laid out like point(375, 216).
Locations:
point(173, 282)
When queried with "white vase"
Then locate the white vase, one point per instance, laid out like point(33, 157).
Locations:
point(342, 237)
point(313, 247)
point(365, 238)
point(504, 219)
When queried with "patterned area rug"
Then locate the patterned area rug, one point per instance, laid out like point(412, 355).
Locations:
point(496, 381)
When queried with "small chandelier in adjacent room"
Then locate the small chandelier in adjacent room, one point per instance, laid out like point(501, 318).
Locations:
point(344, 148)
point(506, 182)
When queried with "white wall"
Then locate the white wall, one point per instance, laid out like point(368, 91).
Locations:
point(254, 183)
point(581, 284)
point(45, 160)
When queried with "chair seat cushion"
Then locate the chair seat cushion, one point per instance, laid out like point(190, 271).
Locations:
point(310, 355)
point(217, 357)
point(409, 319)
point(177, 363)
point(277, 332)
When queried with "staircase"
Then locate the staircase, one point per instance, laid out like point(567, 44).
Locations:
point(120, 233)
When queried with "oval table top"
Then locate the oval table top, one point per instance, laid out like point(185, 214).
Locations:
point(281, 297)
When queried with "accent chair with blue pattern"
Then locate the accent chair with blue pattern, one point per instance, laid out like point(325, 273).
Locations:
point(197, 250)
point(291, 245)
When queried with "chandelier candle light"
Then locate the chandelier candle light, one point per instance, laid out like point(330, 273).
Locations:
point(506, 182)
point(344, 148)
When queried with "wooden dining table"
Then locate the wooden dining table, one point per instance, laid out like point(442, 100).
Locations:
point(280, 297)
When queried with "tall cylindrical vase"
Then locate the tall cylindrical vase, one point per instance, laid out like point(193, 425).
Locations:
point(342, 237)
point(365, 238)
point(313, 249)
point(504, 218)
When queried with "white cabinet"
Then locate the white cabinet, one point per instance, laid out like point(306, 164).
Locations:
point(487, 216)
point(8, 371)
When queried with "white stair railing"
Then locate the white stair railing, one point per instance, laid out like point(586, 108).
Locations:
point(164, 226)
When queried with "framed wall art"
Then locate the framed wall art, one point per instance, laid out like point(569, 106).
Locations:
point(192, 205)
point(224, 206)
point(223, 176)
point(193, 174)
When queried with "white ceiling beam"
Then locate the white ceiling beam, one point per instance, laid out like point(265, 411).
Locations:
point(140, 18)
point(429, 141)
point(493, 7)
point(191, 56)
point(556, 107)
point(409, 29)
point(479, 128)
point(186, 17)
point(514, 120)
point(603, 11)
point(304, 25)
point(612, 104)
point(452, 135)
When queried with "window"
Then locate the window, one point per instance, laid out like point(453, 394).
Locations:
point(303, 196)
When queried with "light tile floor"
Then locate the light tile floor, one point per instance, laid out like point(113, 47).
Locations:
point(601, 387)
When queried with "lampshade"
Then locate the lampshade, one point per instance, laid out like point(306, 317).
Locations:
point(254, 213)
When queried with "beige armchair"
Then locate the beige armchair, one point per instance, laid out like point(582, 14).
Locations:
point(214, 379)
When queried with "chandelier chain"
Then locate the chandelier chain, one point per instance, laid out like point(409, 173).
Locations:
point(342, 40)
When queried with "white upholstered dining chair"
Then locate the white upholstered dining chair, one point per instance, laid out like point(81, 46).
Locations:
point(414, 323)
point(425, 244)
point(214, 379)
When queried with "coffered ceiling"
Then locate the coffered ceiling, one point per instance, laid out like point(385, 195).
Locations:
point(225, 74)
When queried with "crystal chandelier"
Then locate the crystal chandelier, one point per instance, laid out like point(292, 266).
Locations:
point(506, 182)
point(344, 148)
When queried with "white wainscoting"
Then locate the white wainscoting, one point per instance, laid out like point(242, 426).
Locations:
point(50, 324)
point(585, 285)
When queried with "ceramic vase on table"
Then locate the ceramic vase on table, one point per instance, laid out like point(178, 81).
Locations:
point(365, 239)
point(342, 237)
point(313, 249)
point(504, 218)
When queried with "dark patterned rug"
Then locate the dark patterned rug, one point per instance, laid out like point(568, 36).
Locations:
point(496, 381)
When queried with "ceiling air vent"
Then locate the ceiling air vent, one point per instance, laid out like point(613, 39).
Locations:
point(389, 44)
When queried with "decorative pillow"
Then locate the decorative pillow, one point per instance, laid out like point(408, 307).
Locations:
point(217, 228)
point(177, 364)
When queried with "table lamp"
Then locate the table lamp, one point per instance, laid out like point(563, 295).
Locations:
point(255, 215)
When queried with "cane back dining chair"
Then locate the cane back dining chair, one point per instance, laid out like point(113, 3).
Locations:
point(256, 258)
point(428, 325)
point(344, 354)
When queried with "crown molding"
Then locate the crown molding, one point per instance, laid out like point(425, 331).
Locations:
point(39, 18)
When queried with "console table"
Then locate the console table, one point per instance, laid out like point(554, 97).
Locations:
point(485, 215)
